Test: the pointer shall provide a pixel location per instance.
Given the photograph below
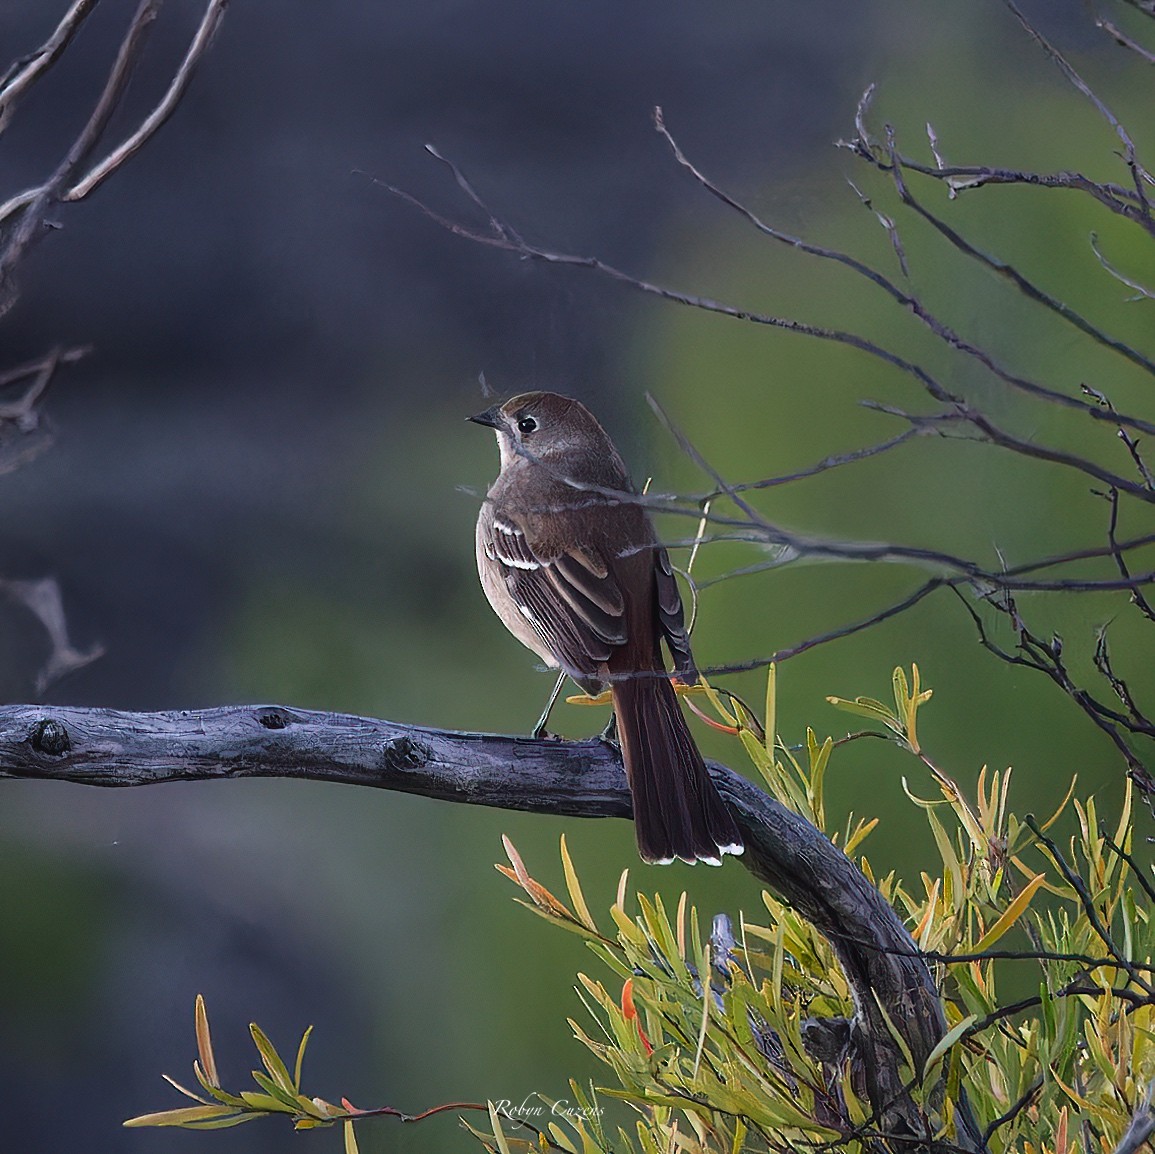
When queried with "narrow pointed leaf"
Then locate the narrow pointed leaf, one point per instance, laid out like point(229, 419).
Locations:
point(300, 1059)
point(205, 1043)
point(181, 1117)
point(272, 1060)
point(1010, 915)
point(948, 1040)
point(187, 1093)
point(575, 890)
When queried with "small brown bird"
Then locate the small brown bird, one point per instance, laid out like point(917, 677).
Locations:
point(577, 575)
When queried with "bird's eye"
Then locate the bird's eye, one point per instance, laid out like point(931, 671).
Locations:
point(526, 425)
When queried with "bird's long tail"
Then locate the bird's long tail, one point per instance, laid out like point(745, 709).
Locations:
point(678, 812)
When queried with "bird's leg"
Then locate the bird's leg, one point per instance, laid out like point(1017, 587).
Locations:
point(539, 730)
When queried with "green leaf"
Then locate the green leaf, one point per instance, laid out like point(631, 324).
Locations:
point(868, 707)
point(948, 1040)
point(183, 1117)
point(350, 1138)
point(266, 1102)
point(300, 1059)
point(223, 1123)
point(272, 1060)
point(895, 1033)
point(214, 1091)
point(771, 708)
point(271, 1088)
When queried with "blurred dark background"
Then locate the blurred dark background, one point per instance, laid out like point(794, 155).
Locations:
point(254, 491)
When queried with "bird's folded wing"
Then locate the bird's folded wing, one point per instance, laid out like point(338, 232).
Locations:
point(672, 619)
point(569, 597)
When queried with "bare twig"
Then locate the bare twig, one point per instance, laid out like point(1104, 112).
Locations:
point(1006, 270)
point(42, 599)
point(24, 213)
point(1120, 37)
point(1140, 175)
point(1140, 291)
point(909, 300)
point(502, 236)
point(23, 73)
point(31, 206)
point(210, 22)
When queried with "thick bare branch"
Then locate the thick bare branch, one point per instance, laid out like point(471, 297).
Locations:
point(105, 747)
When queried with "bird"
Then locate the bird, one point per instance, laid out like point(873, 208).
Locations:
point(570, 562)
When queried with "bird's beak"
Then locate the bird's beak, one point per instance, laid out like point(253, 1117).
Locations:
point(491, 417)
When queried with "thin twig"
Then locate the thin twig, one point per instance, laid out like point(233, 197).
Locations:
point(1088, 903)
point(907, 300)
point(1140, 175)
point(23, 73)
point(210, 22)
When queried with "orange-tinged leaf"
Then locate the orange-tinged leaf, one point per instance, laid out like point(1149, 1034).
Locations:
point(733, 730)
point(540, 896)
point(1062, 805)
point(515, 861)
point(928, 916)
point(630, 1013)
point(1083, 1103)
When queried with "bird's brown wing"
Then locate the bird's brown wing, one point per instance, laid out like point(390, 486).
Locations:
point(671, 618)
point(569, 597)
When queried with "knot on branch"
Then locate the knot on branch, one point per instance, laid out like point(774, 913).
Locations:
point(49, 736)
point(827, 1039)
point(404, 753)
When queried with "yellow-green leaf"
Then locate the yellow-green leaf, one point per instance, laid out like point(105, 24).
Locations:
point(498, 1133)
point(272, 1060)
point(575, 890)
point(771, 707)
point(948, 1040)
point(1010, 915)
point(181, 1117)
point(265, 1102)
point(300, 1059)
